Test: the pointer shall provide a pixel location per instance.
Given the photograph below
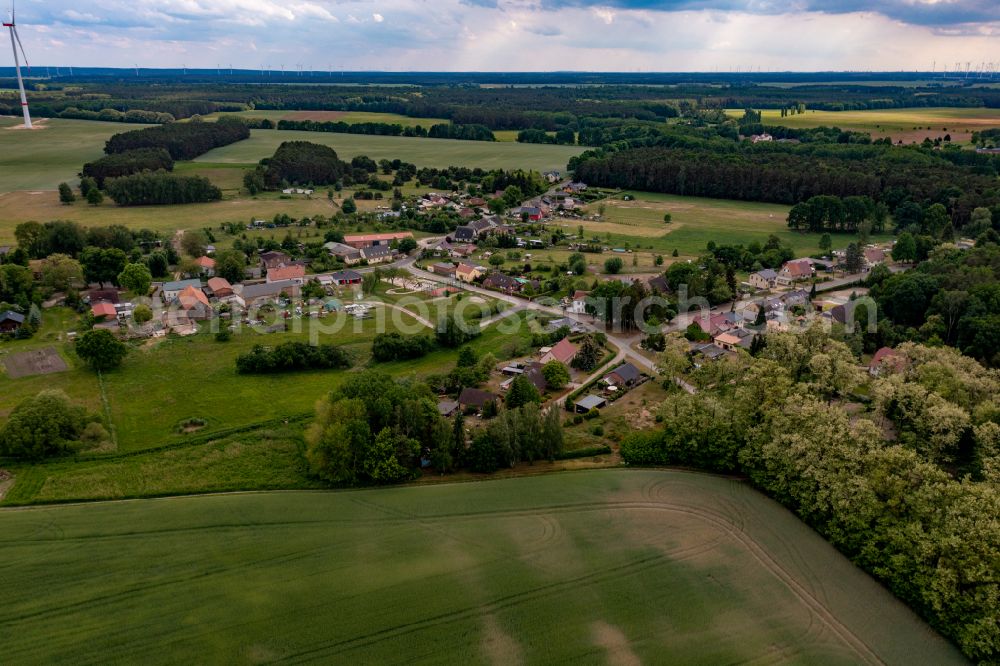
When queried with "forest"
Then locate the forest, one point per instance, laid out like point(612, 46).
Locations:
point(127, 163)
point(183, 141)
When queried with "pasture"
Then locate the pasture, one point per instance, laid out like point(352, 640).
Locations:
point(422, 152)
point(695, 221)
point(41, 159)
point(610, 566)
point(906, 125)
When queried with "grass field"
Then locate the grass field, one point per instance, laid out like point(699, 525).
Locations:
point(695, 222)
point(611, 566)
point(41, 159)
point(908, 125)
point(350, 117)
point(422, 152)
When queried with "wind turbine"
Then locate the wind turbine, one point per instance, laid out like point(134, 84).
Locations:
point(15, 42)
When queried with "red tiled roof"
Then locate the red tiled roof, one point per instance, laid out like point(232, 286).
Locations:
point(563, 351)
point(205, 262)
point(103, 310)
point(286, 273)
point(191, 298)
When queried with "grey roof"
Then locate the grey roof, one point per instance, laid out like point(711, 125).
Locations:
point(768, 274)
point(376, 251)
point(465, 233)
point(475, 397)
point(446, 407)
point(590, 402)
point(345, 276)
point(266, 290)
point(626, 371)
point(181, 285)
point(12, 316)
point(339, 249)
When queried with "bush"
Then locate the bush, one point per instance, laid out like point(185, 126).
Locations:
point(224, 335)
point(584, 453)
point(394, 347)
point(291, 356)
point(613, 265)
point(592, 414)
point(45, 425)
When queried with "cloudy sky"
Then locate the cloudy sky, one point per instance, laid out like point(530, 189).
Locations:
point(512, 35)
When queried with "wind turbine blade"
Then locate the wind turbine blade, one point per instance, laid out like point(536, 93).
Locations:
point(23, 54)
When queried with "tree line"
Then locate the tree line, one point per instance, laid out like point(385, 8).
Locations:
point(184, 141)
point(127, 163)
point(160, 188)
point(290, 357)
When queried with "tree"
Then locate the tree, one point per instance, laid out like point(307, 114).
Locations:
point(853, 259)
point(61, 272)
point(467, 357)
point(613, 265)
point(589, 354)
point(100, 265)
point(45, 425)
point(556, 374)
point(381, 464)
point(142, 313)
point(905, 248)
point(407, 245)
point(66, 195)
point(521, 392)
point(95, 197)
point(231, 265)
point(668, 218)
point(136, 278)
point(497, 260)
point(158, 264)
point(101, 349)
point(349, 207)
point(86, 185)
point(194, 242)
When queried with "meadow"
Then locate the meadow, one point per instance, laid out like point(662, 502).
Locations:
point(638, 224)
point(422, 152)
point(43, 158)
point(907, 125)
point(609, 566)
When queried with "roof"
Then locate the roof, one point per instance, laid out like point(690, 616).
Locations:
point(798, 268)
point(10, 315)
point(370, 238)
point(443, 267)
point(446, 407)
point(103, 310)
point(345, 276)
point(464, 232)
point(659, 283)
point(590, 402)
point(563, 351)
point(767, 274)
point(580, 295)
point(627, 372)
point(475, 397)
point(205, 262)
point(218, 284)
point(255, 291)
point(728, 339)
point(874, 255)
point(286, 273)
point(341, 249)
point(890, 357)
point(179, 285)
point(376, 251)
point(467, 269)
point(501, 281)
point(191, 298)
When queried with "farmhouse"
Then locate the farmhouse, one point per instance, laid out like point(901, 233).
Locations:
point(172, 289)
point(719, 323)
point(578, 305)
point(10, 321)
point(258, 294)
point(347, 254)
point(563, 351)
point(295, 272)
point(794, 271)
point(874, 256)
point(625, 374)
point(220, 288)
point(368, 240)
point(206, 265)
point(377, 254)
point(443, 268)
point(193, 304)
point(274, 259)
point(765, 279)
point(502, 282)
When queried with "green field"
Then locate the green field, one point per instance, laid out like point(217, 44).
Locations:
point(43, 158)
point(350, 117)
point(422, 152)
point(908, 125)
point(695, 221)
point(606, 566)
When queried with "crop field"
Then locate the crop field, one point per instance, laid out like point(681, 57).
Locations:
point(610, 566)
point(419, 151)
point(907, 125)
point(41, 159)
point(694, 222)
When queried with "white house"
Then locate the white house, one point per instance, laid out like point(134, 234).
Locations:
point(764, 279)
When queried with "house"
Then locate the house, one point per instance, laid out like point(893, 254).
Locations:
point(532, 213)
point(220, 288)
point(10, 321)
point(368, 240)
point(886, 359)
point(474, 398)
point(460, 251)
point(268, 292)
point(761, 138)
point(171, 289)
point(104, 310)
point(584, 405)
point(719, 323)
point(576, 188)
point(377, 254)
point(874, 256)
point(625, 374)
point(707, 350)
point(442, 268)
point(502, 282)
point(578, 305)
point(795, 298)
point(345, 253)
point(794, 271)
point(552, 176)
point(464, 233)
point(193, 304)
point(447, 408)
point(659, 285)
point(728, 341)
point(295, 272)
point(765, 279)
point(341, 278)
point(206, 265)
point(572, 324)
point(468, 272)
point(274, 259)
point(563, 351)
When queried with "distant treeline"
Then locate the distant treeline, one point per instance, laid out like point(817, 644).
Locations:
point(115, 116)
point(564, 136)
point(184, 141)
point(127, 163)
point(158, 188)
point(338, 127)
point(291, 356)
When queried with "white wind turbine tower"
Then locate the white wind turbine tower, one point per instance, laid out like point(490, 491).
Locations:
point(15, 42)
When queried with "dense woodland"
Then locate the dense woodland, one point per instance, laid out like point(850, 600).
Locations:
point(127, 163)
point(184, 141)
